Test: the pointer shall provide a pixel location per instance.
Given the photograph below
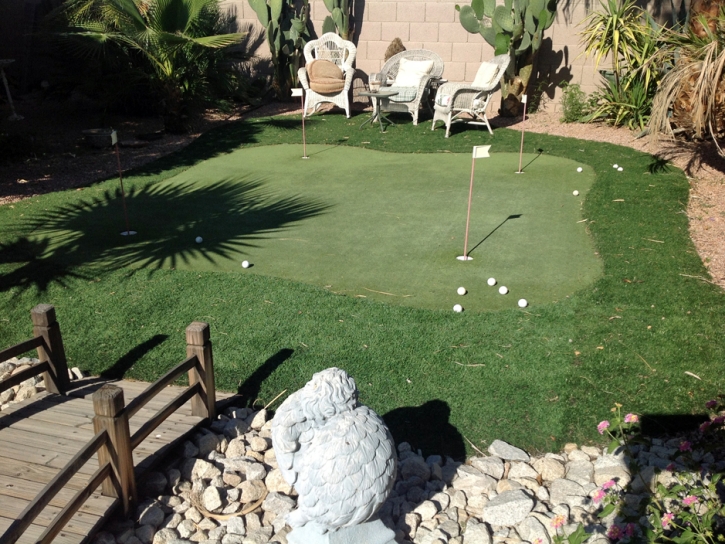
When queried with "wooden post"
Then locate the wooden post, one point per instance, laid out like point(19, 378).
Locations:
point(45, 325)
point(108, 405)
point(198, 343)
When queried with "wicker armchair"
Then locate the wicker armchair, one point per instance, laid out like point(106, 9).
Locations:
point(408, 99)
point(456, 99)
point(342, 52)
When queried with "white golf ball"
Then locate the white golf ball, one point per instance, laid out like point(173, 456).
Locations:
point(620, 169)
point(523, 303)
point(458, 308)
point(462, 291)
point(199, 239)
point(579, 169)
point(245, 264)
point(503, 289)
point(576, 193)
point(492, 281)
point(615, 166)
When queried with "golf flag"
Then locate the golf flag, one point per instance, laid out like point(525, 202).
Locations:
point(523, 99)
point(114, 137)
point(481, 151)
point(296, 92)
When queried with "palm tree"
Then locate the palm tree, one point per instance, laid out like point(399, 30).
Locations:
point(691, 97)
point(167, 35)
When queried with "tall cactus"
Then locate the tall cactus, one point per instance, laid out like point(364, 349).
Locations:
point(339, 19)
point(515, 27)
point(286, 31)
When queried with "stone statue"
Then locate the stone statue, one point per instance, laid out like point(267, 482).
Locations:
point(341, 460)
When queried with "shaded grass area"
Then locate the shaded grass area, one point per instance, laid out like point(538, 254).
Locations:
point(537, 378)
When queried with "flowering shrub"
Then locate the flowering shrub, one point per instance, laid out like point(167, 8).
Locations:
point(689, 508)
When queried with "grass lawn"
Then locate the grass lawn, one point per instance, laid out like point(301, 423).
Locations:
point(623, 325)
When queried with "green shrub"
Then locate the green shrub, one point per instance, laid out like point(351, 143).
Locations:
point(574, 103)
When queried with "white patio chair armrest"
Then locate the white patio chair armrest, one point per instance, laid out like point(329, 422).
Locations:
point(302, 76)
point(349, 75)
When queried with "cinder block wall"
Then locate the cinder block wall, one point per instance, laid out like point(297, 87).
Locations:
point(434, 25)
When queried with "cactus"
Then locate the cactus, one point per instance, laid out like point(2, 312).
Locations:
point(339, 19)
point(515, 27)
point(286, 31)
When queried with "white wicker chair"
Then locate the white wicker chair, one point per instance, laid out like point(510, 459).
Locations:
point(404, 101)
point(330, 47)
point(456, 99)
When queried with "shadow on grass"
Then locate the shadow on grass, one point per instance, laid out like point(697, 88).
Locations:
point(513, 216)
point(229, 215)
point(248, 391)
point(427, 428)
point(120, 367)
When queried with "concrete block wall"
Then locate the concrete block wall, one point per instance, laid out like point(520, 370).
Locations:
point(434, 25)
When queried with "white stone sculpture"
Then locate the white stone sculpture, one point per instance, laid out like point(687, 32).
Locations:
point(341, 460)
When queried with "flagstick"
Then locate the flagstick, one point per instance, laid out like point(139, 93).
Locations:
point(297, 91)
point(128, 232)
point(523, 122)
point(468, 215)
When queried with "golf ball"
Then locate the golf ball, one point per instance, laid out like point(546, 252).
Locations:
point(615, 166)
point(458, 308)
point(523, 303)
point(492, 281)
point(462, 291)
point(503, 289)
point(199, 239)
point(620, 169)
point(245, 264)
point(576, 193)
point(579, 169)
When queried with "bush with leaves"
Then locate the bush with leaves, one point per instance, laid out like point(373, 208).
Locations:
point(685, 502)
point(574, 103)
point(175, 47)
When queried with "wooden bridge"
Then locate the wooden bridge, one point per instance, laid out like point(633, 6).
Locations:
point(72, 455)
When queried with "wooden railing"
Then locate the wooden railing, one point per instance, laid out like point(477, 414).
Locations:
point(51, 354)
point(113, 440)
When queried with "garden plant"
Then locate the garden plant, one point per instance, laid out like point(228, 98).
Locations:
point(174, 45)
point(515, 27)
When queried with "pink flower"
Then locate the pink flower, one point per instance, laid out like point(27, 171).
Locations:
point(615, 532)
point(609, 484)
point(604, 425)
point(718, 420)
point(711, 404)
point(705, 426)
point(631, 418)
point(685, 446)
point(690, 499)
point(670, 467)
point(558, 521)
point(537, 541)
point(599, 495)
point(630, 529)
point(666, 519)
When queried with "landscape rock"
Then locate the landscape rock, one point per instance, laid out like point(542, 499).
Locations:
point(508, 508)
point(508, 452)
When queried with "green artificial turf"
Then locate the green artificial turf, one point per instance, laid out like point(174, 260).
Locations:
point(360, 222)
point(537, 377)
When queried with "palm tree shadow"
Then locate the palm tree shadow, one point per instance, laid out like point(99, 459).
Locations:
point(230, 215)
point(248, 391)
point(118, 369)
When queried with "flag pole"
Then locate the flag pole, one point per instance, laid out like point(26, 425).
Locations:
point(114, 141)
point(523, 122)
point(298, 92)
point(479, 151)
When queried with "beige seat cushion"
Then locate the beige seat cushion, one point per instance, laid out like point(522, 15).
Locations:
point(486, 75)
point(325, 76)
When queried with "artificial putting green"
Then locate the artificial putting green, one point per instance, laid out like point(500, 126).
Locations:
point(369, 224)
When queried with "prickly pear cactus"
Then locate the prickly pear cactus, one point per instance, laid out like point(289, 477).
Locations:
point(339, 19)
point(515, 27)
point(286, 32)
